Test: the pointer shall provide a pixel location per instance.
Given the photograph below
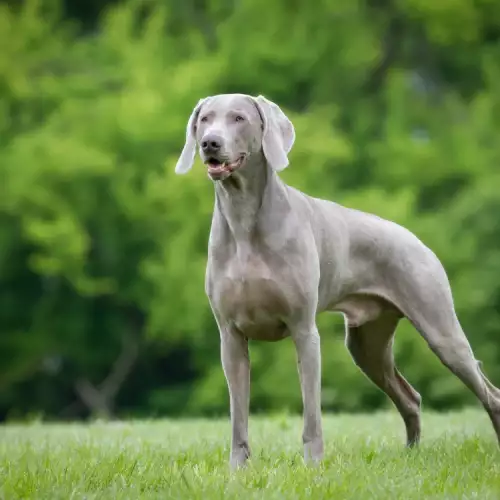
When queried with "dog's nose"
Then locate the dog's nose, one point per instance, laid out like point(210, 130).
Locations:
point(211, 143)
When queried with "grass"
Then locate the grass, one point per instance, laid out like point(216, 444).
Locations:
point(364, 459)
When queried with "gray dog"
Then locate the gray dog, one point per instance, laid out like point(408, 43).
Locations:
point(277, 257)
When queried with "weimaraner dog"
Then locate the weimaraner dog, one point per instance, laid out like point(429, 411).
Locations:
point(277, 257)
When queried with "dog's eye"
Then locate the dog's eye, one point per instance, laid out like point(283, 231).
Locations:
point(239, 118)
point(204, 119)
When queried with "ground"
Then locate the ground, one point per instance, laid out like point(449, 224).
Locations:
point(365, 459)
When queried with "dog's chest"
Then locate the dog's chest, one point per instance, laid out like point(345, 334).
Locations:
point(247, 294)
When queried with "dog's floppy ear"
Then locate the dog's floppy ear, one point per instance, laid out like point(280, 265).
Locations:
point(186, 159)
point(278, 134)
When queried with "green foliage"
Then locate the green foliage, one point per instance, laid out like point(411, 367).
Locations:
point(397, 112)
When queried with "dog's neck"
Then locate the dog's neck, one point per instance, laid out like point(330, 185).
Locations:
point(240, 197)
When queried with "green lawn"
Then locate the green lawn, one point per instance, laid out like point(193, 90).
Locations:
point(365, 458)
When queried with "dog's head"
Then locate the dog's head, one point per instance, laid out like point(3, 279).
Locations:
point(230, 128)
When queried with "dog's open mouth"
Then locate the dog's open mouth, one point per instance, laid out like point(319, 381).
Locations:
point(217, 169)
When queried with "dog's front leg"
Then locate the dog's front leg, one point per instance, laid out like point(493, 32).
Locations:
point(307, 343)
point(236, 365)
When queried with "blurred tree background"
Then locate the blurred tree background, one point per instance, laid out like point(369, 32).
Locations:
point(396, 105)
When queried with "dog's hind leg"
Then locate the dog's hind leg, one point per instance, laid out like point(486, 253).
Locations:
point(426, 300)
point(444, 335)
point(371, 348)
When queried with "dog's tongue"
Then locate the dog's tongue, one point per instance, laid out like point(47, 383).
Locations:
point(216, 168)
